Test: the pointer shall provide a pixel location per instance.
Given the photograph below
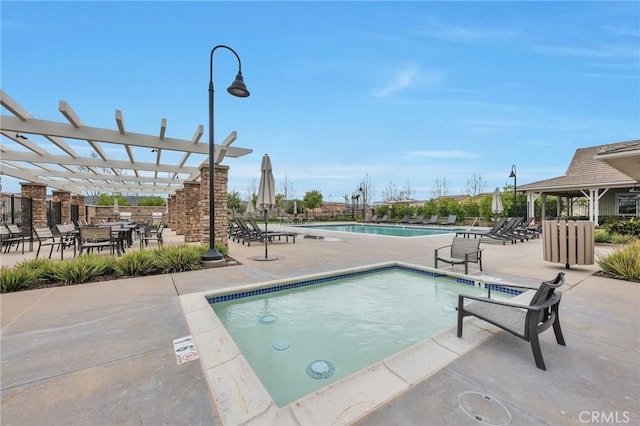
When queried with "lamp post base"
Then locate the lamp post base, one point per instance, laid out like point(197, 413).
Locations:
point(213, 259)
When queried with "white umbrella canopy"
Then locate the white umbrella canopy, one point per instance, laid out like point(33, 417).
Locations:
point(266, 195)
point(496, 202)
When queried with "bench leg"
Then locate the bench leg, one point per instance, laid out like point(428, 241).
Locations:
point(460, 315)
point(557, 330)
point(537, 352)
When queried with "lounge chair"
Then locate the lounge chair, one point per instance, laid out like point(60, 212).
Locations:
point(434, 220)
point(374, 218)
point(385, 219)
point(483, 232)
point(404, 220)
point(451, 220)
point(463, 251)
point(523, 321)
point(418, 220)
point(270, 235)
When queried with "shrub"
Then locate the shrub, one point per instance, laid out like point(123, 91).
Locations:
point(179, 258)
point(624, 262)
point(83, 269)
point(16, 279)
point(622, 238)
point(44, 268)
point(623, 226)
point(601, 236)
point(136, 263)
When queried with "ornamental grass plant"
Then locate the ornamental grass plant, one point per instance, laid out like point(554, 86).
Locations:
point(623, 262)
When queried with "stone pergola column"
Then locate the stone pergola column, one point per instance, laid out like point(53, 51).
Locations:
point(38, 194)
point(64, 198)
point(181, 213)
point(80, 201)
point(192, 222)
point(220, 203)
point(171, 201)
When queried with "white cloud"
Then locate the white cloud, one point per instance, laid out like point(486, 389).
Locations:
point(402, 79)
point(602, 51)
point(460, 34)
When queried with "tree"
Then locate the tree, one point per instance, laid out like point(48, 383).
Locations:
point(152, 201)
point(368, 190)
point(312, 199)
point(280, 199)
point(407, 192)
point(475, 184)
point(440, 188)
point(233, 201)
point(390, 192)
point(287, 188)
point(108, 200)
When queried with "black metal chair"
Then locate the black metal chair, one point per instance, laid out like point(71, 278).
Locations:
point(523, 321)
point(463, 251)
point(46, 238)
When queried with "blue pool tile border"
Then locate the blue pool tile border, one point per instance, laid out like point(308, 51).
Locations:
point(328, 278)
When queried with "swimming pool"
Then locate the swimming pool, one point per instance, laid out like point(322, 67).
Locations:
point(395, 231)
point(241, 397)
point(301, 338)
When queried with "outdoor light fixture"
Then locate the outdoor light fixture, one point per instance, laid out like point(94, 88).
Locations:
point(364, 205)
point(18, 135)
point(237, 89)
point(515, 202)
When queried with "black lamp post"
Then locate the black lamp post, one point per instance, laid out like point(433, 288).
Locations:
point(238, 89)
point(515, 200)
point(364, 205)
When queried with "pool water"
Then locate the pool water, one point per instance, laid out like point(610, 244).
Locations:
point(396, 231)
point(300, 340)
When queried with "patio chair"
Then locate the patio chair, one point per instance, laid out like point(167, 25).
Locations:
point(404, 220)
point(14, 236)
point(433, 220)
point(451, 220)
point(385, 219)
point(463, 251)
point(46, 238)
point(374, 218)
point(523, 321)
point(93, 237)
point(68, 234)
point(150, 235)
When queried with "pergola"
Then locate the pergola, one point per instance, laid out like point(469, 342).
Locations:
point(71, 156)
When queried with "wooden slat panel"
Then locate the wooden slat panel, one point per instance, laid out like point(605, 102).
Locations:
point(562, 242)
point(572, 242)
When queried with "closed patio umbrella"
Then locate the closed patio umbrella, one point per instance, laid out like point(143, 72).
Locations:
point(496, 202)
point(266, 196)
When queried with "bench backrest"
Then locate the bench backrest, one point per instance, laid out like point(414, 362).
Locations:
point(43, 233)
point(63, 229)
point(95, 234)
point(460, 246)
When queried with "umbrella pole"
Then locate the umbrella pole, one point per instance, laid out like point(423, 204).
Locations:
point(265, 235)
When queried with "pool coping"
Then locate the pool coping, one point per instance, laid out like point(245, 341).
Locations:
point(241, 398)
point(316, 227)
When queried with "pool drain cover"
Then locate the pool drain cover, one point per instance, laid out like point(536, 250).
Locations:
point(320, 369)
point(268, 319)
point(281, 345)
point(484, 408)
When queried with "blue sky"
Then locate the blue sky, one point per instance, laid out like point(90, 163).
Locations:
point(405, 93)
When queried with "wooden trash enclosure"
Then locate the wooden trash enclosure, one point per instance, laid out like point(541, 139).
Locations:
point(570, 242)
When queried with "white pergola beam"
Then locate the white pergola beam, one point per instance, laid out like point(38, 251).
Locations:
point(12, 106)
point(163, 127)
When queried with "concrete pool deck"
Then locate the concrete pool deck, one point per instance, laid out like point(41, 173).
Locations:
point(103, 353)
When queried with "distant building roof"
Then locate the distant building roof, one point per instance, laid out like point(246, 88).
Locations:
point(586, 171)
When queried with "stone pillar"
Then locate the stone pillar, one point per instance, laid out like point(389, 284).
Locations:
point(64, 198)
point(192, 222)
point(80, 201)
point(181, 213)
point(38, 194)
point(220, 203)
point(169, 220)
